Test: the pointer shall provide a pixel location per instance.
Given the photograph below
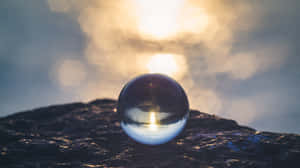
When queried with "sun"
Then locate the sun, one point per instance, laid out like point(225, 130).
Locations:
point(163, 64)
point(158, 18)
point(166, 19)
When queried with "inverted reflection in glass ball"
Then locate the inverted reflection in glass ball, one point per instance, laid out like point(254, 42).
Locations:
point(153, 109)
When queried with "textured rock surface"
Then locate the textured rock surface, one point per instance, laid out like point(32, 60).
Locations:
point(89, 135)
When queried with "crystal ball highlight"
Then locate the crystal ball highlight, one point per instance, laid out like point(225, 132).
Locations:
point(153, 109)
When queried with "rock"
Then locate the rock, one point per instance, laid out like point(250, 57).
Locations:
point(89, 135)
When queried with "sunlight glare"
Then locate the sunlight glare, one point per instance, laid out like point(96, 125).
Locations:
point(158, 18)
point(163, 63)
point(152, 119)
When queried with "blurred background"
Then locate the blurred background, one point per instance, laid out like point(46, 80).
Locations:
point(237, 59)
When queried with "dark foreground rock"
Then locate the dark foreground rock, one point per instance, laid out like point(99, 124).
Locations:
point(89, 135)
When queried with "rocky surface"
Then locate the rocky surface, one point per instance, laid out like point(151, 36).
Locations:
point(89, 135)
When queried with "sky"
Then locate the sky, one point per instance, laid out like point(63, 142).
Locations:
point(238, 59)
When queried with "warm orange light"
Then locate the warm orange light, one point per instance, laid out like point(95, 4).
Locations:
point(164, 64)
point(163, 19)
point(158, 18)
point(152, 120)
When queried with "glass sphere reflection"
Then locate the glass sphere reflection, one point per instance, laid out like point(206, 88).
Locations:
point(153, 109)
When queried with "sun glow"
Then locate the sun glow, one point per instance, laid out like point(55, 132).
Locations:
point(158, 18)
point(163, 19)
point(152, 120)
point(164, 64)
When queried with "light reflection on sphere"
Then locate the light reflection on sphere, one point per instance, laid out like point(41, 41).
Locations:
point(153, 109)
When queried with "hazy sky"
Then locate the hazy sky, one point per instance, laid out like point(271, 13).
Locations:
point(238, 59)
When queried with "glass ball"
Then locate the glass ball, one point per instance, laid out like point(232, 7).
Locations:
point(153, 109)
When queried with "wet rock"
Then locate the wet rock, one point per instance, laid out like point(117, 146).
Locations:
point(89, 135)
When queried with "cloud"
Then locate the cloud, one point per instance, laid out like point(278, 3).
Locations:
point(70, 73)
point(211, 36)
